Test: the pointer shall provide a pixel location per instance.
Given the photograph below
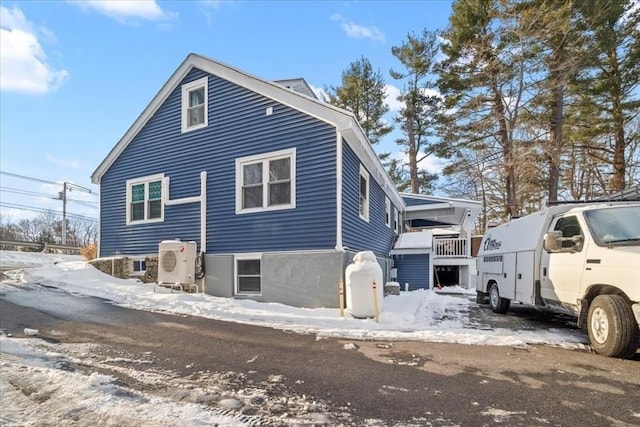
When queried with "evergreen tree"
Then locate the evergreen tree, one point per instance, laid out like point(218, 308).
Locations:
point(482, 79)
point(422, 110)
point(609, 87)
point(363, 93)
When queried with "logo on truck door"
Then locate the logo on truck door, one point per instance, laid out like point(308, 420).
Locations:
point(491, 244)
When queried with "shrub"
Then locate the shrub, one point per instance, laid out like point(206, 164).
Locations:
point(89, 252)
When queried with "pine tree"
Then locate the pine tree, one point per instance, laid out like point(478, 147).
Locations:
point(363, 93)
point(422, 111)
point(482, 80)
point(611, 84)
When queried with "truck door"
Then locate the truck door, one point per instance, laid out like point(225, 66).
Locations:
point(561, 272)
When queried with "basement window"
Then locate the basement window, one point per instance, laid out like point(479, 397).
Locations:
point(248, 275)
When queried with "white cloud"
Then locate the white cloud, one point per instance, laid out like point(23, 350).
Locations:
point(392, 93)
point(24, 67)
point(320, 93)
point(66, 163)
point(391, 98)
point(125, 10)
point(356, 31)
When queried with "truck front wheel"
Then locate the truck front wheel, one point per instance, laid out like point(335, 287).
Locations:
point(612, 327)
point(496, 302)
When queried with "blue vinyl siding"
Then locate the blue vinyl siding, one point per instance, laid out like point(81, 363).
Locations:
point(413, 269)
point(237, 127)
point(357, 234)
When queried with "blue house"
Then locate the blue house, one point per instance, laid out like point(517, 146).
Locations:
point(278, 189)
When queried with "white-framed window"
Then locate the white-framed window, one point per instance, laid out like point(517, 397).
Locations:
point(194, 104)
point(248, 277)
point(138, 266)
point(145, 201)
point(387, 212)
point(266, 182)
point(363, 204)
point(398, 222)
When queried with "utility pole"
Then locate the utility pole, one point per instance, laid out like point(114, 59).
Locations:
point(64, 213)
point(67, 186)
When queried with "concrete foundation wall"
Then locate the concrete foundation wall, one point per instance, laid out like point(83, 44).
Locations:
point(306, 279)
point(302, 280)
point(219, 275)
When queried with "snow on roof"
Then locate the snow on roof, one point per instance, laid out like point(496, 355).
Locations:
point(418, 242)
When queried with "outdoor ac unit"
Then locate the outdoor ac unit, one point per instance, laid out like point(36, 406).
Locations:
point(176, 262)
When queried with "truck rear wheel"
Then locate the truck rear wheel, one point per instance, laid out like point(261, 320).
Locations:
point(612, 327)
point(496, 302)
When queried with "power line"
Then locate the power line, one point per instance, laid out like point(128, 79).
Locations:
point(25, 192)
point(43, 210)
point(31, 178)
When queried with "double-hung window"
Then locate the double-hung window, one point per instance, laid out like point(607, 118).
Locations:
point(266, 182)
point(387, 212)
point(363, 204)
point(144, 200)
point(194, 104)
point(248, 275)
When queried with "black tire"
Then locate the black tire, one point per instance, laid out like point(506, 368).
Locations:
point(496, 302)
point(612, 327)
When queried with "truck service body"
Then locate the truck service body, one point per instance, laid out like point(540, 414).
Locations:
point(578, 259)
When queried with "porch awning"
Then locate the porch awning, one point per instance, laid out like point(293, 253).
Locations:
point(419, 242)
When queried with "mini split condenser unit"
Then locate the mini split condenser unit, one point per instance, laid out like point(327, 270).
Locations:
point(176, 262)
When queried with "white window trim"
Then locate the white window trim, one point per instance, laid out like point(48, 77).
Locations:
point(388, 212)
point(140, 260)
point(144, 180)
point(364, 174)
point(398, 222)
point(265, 158)
point(244, 257)
point(186, 88)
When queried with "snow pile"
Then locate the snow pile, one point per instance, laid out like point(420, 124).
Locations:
point(423, 315)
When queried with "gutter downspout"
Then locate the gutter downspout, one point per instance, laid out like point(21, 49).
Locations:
point(339, 246)
point(202, 199)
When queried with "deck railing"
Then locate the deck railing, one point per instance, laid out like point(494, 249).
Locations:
point(451, 248)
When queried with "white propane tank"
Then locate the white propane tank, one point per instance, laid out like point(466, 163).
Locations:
point(359, 277)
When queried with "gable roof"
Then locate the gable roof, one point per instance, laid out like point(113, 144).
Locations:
point(298, 85)
point(344, 121)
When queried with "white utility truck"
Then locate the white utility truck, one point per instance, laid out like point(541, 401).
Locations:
point(578, 259)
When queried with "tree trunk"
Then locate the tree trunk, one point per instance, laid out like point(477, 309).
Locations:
point(413, 156)
point(511, 205)
point(619, 164)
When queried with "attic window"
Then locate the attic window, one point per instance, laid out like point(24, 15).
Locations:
point(194, 105)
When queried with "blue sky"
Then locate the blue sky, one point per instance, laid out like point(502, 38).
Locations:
point(75, 75)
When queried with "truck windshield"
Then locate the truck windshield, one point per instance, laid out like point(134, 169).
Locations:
point(615, 226)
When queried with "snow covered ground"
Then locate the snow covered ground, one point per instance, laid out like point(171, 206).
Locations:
point(34, 371)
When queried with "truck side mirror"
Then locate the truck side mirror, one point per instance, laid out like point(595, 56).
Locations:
point(553, 241)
